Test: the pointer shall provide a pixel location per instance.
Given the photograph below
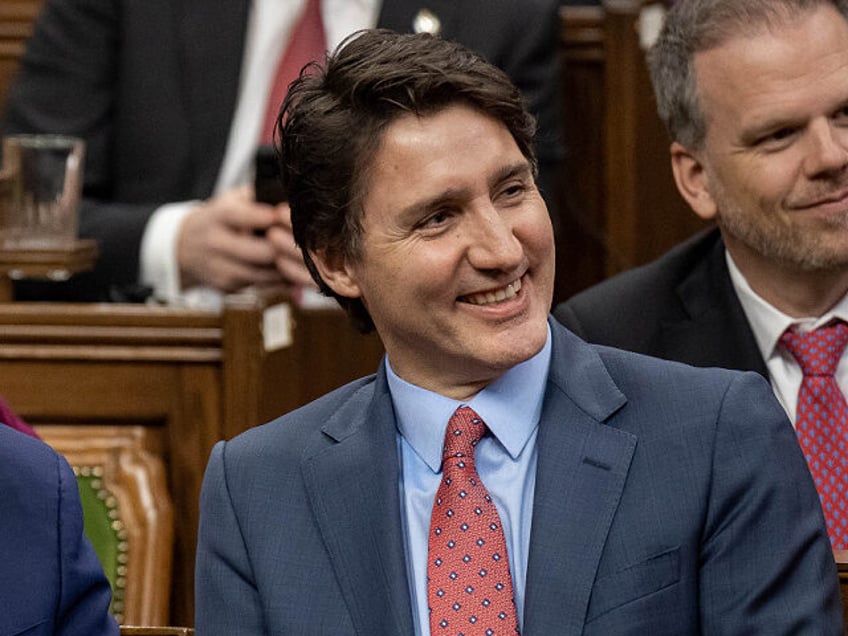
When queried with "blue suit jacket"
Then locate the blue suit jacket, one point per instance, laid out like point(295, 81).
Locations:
point(50, 579)
point(669, 500)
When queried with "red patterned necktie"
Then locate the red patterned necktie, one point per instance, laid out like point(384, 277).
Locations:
point(821, 421)
point(469, 587)
point(307, 43)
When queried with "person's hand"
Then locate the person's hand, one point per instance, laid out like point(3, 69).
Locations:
point(221, 243)
point(289, 259)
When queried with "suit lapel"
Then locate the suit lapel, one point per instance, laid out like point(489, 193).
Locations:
point(583, 465)
point(716, 332)
point(353, 490)
point(212, 34)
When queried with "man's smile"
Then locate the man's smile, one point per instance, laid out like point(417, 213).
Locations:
point(493, 296)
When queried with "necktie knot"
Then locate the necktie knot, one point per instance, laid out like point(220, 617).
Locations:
point(818, 352)
point(465, 429)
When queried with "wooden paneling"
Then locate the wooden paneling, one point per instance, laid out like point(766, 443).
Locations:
point(16, 18)
point(619, 204)
point(644, 213)
point(581, 244)
point(191, 377)
point(120, 365)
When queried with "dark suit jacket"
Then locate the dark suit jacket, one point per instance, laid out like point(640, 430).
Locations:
point(681, 306)
point(151, 85)
point(669, 500)
point(50, 579)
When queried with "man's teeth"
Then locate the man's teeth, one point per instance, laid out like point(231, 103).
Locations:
point(488, 298)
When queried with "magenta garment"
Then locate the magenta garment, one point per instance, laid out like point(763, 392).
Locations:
point(10, 418)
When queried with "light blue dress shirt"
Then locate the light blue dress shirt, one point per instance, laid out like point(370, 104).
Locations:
point(505, 459)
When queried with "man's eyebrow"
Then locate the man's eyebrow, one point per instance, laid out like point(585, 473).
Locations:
point(520, 168)
point(419, 208)
point(756, 130)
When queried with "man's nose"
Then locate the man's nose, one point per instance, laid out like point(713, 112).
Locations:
point(495, 245)
point(828, 151)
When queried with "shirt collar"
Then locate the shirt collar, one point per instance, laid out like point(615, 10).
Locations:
point(767, 322)
point(511, 407)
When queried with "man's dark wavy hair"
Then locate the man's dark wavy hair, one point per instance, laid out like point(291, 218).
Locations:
point(332, 120)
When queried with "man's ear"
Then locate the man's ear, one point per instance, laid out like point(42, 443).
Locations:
point(693, 182)
point(335, 271)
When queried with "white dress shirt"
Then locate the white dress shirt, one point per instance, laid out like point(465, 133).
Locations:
point(268, 29)
point(768, 324)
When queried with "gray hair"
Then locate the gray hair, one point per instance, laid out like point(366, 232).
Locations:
point(693, 26)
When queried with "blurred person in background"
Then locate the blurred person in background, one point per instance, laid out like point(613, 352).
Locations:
point(172, 99)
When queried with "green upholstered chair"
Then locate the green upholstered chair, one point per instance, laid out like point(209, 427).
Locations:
point(127, 511)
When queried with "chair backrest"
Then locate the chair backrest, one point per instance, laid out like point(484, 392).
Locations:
point(127, 513)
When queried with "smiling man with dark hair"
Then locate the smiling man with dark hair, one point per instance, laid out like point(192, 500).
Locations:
point(497, 475)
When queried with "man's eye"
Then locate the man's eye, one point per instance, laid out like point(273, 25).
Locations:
point(780, 135)
point(776, 139)
point(513, 192)
point(435, 219)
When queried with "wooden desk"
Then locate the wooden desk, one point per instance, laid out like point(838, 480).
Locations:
point(193, 377)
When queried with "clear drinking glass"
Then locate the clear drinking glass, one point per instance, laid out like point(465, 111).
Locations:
point(44, 174)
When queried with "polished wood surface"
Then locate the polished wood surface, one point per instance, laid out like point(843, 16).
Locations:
point(125, 463)
point(56, 263)
point(191, 377)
